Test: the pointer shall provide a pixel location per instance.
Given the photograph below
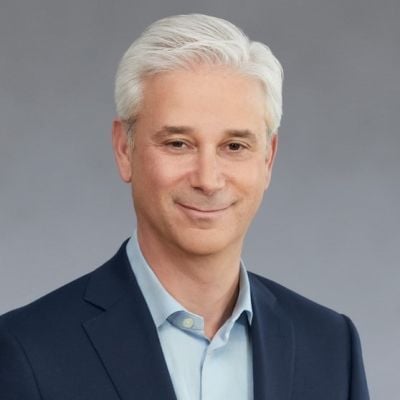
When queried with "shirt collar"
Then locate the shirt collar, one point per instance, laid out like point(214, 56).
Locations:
point(161, 304)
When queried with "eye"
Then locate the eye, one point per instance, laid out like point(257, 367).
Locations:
point(177, 144)
point(235, 146)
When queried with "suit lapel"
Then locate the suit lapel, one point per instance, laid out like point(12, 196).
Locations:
point(124, 335)
point(273, 345)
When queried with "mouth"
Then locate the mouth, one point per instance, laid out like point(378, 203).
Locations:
point(209, 210)
point(197, 212)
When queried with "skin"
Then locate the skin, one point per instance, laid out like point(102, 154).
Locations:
point(199, 167)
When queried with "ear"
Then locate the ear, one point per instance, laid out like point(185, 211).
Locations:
point(122, 150)
point(270, 158)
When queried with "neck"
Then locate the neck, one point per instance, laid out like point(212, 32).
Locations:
point(205, 285)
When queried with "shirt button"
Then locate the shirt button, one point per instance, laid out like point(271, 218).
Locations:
point(188, 323)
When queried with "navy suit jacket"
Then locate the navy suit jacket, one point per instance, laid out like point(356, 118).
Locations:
point(94, 339)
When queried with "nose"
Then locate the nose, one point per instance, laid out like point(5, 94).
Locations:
point(207, 175)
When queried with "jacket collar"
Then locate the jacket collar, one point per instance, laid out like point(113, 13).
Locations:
point(124, 335)
point(273, 344)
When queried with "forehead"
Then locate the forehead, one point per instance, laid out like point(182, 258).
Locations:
point(205, 94)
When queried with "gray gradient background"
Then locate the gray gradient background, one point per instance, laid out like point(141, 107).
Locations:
point(329, 225)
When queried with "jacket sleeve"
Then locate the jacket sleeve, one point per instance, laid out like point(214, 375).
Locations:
point(358, 389)
point(17, 381)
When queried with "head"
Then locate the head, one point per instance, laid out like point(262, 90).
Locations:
point(184, 41)
point(199, 106)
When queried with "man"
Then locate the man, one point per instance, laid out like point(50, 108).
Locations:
point(174, 314)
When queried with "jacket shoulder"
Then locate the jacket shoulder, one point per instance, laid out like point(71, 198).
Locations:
point(327, 342)
point(48, 309)
point(297, 306)
point(70, 302)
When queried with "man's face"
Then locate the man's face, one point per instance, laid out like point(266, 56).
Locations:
point(201, 159)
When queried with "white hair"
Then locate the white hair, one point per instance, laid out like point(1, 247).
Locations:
point(181, 42)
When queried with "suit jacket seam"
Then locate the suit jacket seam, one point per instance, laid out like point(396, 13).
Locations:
point(350, 344)
point(19, 344)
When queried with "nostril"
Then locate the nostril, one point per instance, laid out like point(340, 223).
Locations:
point(207, 176)
point(208, 182)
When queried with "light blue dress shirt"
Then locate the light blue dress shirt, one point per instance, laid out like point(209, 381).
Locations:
point(200, 369)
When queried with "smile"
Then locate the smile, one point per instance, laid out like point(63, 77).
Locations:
point(204, 213)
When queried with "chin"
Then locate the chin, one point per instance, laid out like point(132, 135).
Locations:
point(206, 242)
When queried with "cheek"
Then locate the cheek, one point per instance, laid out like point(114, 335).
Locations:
point(251, 184)
point(251, 177)
point(153, 174)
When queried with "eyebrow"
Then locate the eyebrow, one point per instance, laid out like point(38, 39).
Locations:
point(168, 130)
point(242, 133)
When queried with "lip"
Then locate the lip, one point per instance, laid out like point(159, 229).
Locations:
point(197, 212)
